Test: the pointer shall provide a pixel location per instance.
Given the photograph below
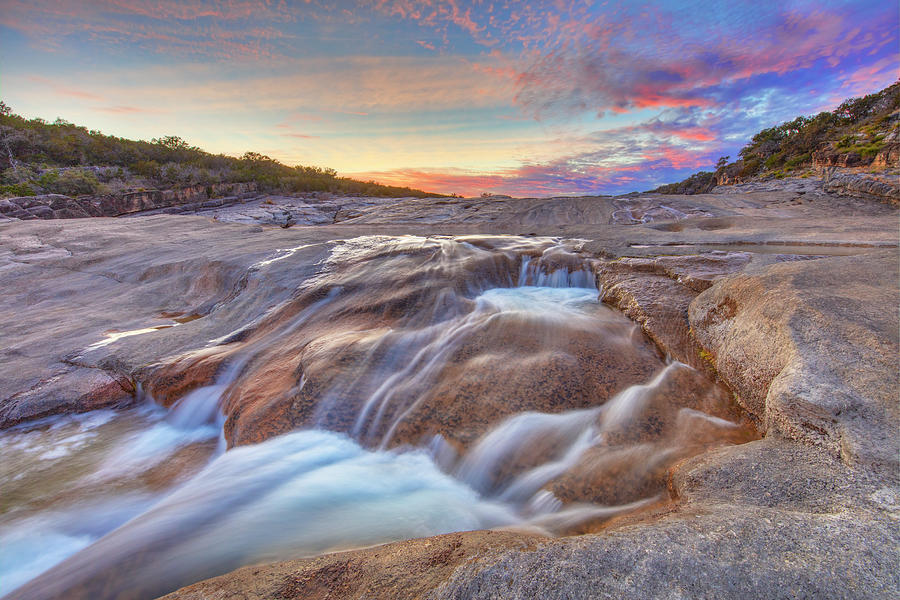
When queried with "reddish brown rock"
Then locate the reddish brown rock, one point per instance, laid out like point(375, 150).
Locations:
point(395, 571)
point(71, 390)
point(175, 378)
point(656, 292)
point(888, 157)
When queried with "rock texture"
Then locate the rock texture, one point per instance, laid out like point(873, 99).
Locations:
point(55, 206)
point(809, 353)
point(656, 293)
point(403, 570)
point(784, 291)
point(884, 187)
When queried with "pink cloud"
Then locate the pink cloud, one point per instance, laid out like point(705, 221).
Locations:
point(696, 134)
point(558, 177)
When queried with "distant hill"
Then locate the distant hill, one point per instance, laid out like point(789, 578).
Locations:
point(37, 157)
point(858, 133)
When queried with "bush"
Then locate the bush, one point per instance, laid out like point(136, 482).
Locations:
point(774, 160)
point(16, 189)
point(870, 150)
point(750, 167)
point(71, 182)
point(797, 161)
point(146, 168)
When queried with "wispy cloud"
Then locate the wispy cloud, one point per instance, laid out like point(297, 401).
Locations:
point(301, 136)
point(121, 109)
point(65, 90)
point(523, 97)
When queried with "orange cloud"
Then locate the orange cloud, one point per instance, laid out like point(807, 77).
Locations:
point(696, 134)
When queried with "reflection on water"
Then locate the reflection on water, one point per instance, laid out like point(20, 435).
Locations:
point(137, 503)
point(114, 336)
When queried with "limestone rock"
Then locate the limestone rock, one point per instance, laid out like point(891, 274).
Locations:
point(399, 571)
point(70, 389)
point(56, 206)
point(811, 350)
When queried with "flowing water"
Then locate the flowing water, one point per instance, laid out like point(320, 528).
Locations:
point(416, 386)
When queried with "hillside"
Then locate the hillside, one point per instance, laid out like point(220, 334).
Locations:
point(861, 132)
point(37, 157)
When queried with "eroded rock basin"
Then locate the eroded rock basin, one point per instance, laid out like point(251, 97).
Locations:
point(413, 386)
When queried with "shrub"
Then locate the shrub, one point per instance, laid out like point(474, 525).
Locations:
point(774, 160)
point(71, 182)
point(16, 189)
point(750, 167)
point(797, 161)
point(146, 168)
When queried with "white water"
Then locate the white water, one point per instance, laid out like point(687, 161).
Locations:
point(95, 459)
point(298, 494)
point(309, 491)
point(416, 357)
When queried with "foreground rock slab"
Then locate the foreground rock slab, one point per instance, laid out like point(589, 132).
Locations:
point(408, 569)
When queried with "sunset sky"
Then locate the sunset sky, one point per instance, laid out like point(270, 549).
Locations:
point(523, 98)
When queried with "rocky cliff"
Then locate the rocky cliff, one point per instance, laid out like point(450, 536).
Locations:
point(56, 206)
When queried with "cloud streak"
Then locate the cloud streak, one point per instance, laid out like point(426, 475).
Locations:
point(518, 97)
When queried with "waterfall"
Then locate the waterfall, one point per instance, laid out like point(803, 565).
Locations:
point(148, 499)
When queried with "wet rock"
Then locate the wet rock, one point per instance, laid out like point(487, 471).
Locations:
point(471, 369)
point(684, 414)
point(656, 301)
point(71, 390)
point(391, 572)
point(800, 513)
point(175, 378)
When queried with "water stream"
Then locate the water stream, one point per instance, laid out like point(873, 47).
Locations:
point(419, 386)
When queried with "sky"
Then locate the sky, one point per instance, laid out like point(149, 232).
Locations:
point(546, 98)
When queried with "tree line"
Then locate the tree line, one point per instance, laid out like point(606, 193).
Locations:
point(61, 157)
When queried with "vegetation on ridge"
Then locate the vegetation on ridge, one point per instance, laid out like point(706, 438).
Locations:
point(858, 126)
point(38, 157)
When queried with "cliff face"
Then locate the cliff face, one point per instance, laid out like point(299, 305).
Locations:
point(57, 206)
point(883, 155)
point(854, 182)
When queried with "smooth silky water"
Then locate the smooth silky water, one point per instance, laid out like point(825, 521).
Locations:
point(138, 502)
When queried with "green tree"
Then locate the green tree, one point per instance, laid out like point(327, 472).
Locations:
point(172, 142)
